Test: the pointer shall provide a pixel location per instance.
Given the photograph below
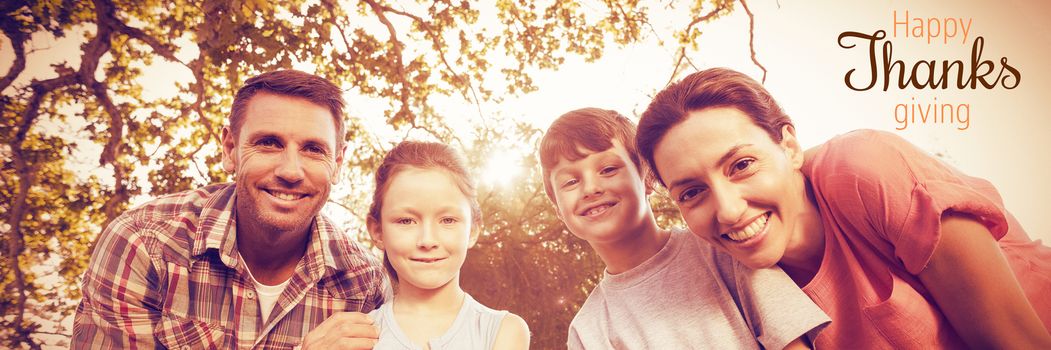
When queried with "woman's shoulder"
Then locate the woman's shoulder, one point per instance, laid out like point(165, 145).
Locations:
point(863, 146)
point(863, 154)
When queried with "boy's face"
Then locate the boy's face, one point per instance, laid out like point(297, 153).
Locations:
point(601, 197)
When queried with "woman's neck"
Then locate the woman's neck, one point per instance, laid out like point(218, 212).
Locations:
point(806, 246)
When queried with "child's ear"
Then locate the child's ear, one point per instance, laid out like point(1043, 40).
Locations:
point(791, 146)
point(558, 212)
point(476, 230)
point(648, 180)
point(375, 232)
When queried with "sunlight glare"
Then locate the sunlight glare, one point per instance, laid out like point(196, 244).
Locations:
point(501, 168)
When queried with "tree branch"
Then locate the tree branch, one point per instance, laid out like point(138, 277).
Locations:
point(751, 37)
point(13, 31)
point(137, 33)
point(399, 65)
point(706, 17)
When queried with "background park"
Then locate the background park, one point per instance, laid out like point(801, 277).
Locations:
point(108, 103)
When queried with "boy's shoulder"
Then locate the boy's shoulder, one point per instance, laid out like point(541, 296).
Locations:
point(591, 311)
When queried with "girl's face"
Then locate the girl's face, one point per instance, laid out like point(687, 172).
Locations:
point(425, 227)
point(735, 186)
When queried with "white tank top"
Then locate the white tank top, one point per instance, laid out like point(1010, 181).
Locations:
point(475, 327)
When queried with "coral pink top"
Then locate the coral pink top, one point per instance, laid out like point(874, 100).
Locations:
point(881, 200)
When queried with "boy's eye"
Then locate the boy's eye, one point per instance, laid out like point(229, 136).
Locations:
point(608, 170)
point(569, 182)
point(741, 165)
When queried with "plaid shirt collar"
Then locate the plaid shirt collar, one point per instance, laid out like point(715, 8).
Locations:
point(218, 231)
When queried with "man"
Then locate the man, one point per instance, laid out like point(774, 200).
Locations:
point(248, 264)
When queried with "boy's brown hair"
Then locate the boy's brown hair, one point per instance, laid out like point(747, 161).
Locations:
point(592, 129)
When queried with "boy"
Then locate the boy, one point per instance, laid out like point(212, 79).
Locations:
point(662, 289)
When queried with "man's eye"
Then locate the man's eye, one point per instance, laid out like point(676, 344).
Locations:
point(405, 221)
point(268, 142)
point(315, 149)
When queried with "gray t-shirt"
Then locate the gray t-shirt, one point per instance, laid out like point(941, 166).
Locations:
point(475, 327)
point(690, 296)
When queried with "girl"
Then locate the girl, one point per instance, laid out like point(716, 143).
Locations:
point(899, 249)
point(425, 216)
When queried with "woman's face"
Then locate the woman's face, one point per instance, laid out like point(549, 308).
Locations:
point(425, 227)
point(735, 186)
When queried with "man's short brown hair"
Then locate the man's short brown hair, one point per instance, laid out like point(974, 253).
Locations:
point(293, 83)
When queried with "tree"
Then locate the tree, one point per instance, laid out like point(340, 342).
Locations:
point(407, 55)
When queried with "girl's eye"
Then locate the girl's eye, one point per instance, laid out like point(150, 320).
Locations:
point(741, 165)
point(405, 221)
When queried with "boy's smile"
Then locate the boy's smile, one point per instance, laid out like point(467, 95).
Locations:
point(601, 197)
point(596, 211)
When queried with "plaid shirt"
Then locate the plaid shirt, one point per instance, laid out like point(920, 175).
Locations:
point(166, 275)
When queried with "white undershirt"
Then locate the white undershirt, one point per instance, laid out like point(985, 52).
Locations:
point(267, 295)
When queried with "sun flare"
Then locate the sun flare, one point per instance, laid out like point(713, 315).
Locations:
point(501, 168)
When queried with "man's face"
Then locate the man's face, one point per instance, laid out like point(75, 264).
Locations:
point(601, 197)
point(284, 159)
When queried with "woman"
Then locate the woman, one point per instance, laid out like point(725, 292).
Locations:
point(899, 249)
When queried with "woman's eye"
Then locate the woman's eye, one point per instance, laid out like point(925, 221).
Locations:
point(405, 221)
point(449, 220)
point(741, 165)
point(689, 194)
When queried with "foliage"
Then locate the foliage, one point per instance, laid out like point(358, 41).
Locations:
point(404, 54)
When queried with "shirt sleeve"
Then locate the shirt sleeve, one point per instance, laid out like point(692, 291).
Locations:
point(120, 303)
point(573, 342)
point(892, 193)
point(776, 310)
